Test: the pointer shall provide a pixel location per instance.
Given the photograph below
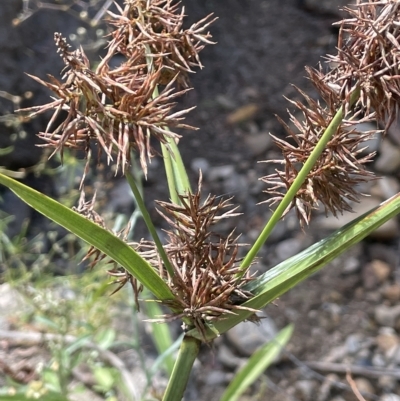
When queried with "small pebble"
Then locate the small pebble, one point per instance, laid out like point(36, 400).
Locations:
point(228, 358)
point(387, 383)
point(220, 172)
point(305, 389)
point(381, 270)
point(200, 163)
point(351, 265)
point(390, 397)
point(379, 361)
point(287, 248)
point(392, 293)
point(353, 343)
point(364, 385)
point(258, 143)
point(387, 315)
point(246, 337)
point(387, 341)
point(215, 378)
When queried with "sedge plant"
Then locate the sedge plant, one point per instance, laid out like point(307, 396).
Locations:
point(116, 111)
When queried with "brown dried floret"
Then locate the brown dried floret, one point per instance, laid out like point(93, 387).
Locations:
point(367, 63)
point(120, 108)
point(368, 57)
point(206, 282)
point(86, 208)
point(340, 168)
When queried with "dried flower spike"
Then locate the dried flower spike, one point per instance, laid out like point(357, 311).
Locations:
point(334, 178)
point(206, 265)
point(367, 61)
point(120, 109)
point(368, 57)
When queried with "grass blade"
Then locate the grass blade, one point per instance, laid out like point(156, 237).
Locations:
point(256, 365)
point(161, 336)
point(93, 234)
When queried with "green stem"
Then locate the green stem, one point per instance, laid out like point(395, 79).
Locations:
point(169, 171)
point(149, 223)
point(178, 180)
point(181, 177)
point(183, 366)
point(298, 182)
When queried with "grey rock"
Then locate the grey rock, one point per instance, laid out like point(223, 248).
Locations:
point(238, 185)
point(372, 144)
point(305, 389)
point(258, 143)
point(246, 337)
point(220, 172)
point(225, 102)
point(11, 302)
point(387, 315)
point(386, 187)
point(379, 361)
point(216, 378)
point(389, 158)
point(353, 343)
point(390, 397)
point(228, 358)
point(351, 265)
point(200, 163)
point(364, 385)
point(288, 248)
point(387, 383)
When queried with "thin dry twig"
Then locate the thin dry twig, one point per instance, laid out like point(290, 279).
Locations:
point(354, 387)
point(354, 369)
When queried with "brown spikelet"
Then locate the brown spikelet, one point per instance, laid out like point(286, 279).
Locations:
point(120, 108)
point(367, 62)
point(96, 256)
point(368, 57)
point(334, 178)
point(206, 265)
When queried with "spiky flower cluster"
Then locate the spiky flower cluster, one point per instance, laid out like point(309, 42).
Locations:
point(206, 281)
point(367, 62)
point(119, 108)
point(369, 58)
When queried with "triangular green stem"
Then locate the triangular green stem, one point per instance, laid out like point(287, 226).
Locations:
point(183, 366)
point(148, 221)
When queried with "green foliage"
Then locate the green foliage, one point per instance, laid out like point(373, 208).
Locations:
point(256, 365)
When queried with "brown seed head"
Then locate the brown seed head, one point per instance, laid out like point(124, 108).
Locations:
point(367, 61)
point(119, 108)
point(205, 264)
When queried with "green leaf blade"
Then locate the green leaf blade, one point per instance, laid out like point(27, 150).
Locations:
point(256, 365)
point(93, 234)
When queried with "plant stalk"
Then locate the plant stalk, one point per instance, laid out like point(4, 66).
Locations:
point(149, 223)
point(183, 366)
